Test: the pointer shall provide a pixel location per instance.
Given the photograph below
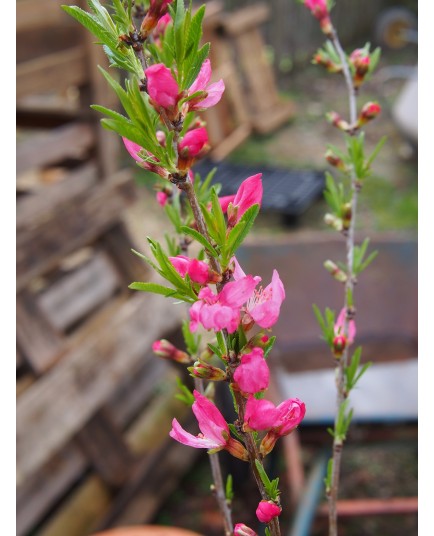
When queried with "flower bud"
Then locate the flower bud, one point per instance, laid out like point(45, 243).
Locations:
point(336, 272)
point(267, 510)
point(243, 530)
point(369, 111)
point(207, 372)
point(333, 221)
point(335, 160)
point(339, 345)
point(347, 214)
point(360, 61)
point(259, 340)
point(336, 120)
point(324, 61)
point(167, 350)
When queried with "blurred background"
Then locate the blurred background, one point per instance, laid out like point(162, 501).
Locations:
point(94, 406)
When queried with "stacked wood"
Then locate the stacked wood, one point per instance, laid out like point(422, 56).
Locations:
point(94, 406)
point(251, 101)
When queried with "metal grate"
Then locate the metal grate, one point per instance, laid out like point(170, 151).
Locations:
point(288, 192)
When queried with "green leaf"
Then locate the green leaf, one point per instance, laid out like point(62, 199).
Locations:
point(185, 395)
point(269, 346)
point(229, 492)
point(155, 288)
point(199, 238)
point(239, 232)
point(196, 64)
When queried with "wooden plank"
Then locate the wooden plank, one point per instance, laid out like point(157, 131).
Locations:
point(86, 378)
point(117, 243)
point(43, 242)
point(77, 294)
point(69, 141)
point(55, 71)
point(40, 343)
point(373, 507)
point(269, 120)
point(231, 141)
point(100, 435)
point(31, 14)
point(245, 19)
point(37, 494)
point(35, 205)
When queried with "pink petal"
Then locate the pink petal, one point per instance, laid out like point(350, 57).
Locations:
point(211, 422)
point(236, 293)
point(202, 79)
point(194, 141)
point(253, 375)
point(215, 92)
point(340, 325)
point(267, 510)
point(198, 271)
point(179, 434)
point(225, 200)
point(218, 317)
point(249, 193)
point(266, 312)
point(133, 149)
point(260, 414)
point(290, 414)
point(180, 263)
point(162, 87)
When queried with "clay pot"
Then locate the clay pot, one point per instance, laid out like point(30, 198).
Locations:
point(148, 530)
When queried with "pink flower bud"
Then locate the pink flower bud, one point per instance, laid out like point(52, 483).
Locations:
point(167, 350)
point(335, 160)
point(339, 344)
point(369, 111)
point(340, 327)
point(243, 530)
point(249, 193)
point(321, 59)
point(134, 149)
point(162, 87)
point(267, 510)
point(157, 9)
point(198, 271)
point(319, 10)
point(192, 146)
point(162, 24)
point(360, 61)
point(162, 198)
point(252, 375)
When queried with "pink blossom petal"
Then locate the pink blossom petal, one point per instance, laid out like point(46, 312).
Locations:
point(215, 92)
point(194, 141)
point(253, 375)
point(225, 200)
point(260, 414)
point(290, 414)
point(340, 325)
point(236, 293)
point(133, 149)
point(249, 193)
point(202, 79)
point(179, 434)
point(162, 87)
point(267, 510)
point(211, 422)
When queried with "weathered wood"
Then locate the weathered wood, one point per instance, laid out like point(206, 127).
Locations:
point(39, 341)
point(49, 72)
point(245, 19)
point(231, 142)
point(69, 141)
point(373, 507)
point(34, 206)
point(101, 442)
point(76, 294)
point(43, 242)
point(37, 494)
point(32, 14)
point(270, 120)
point(130, 266)
point(86, 378)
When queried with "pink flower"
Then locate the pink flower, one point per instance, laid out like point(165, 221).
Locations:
point(280, 420)
point(369, 111)
point(253, 375)
point(249, 193)
point(198, 271)
point(264, 306)
point(134, 149)
point(193, 142)
point(167, 350)
point(317, 7)
point(267, 510)
point(211, 94)
point(162, 87)
point(243, 530)
point(157, 9)
point(214, 429)
point(222, 311)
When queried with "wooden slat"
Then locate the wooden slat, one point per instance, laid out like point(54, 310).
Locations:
point(31, 14)
point(39, 341)
point(245, 19)
point(43, 242)
point(37, 494)
point(54, 72)
point(101, 435)
point(76, 182)
point(77, 294)
point(86, 378)
point(69, 141)
point(373, 507)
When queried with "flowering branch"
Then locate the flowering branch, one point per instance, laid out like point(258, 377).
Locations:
point(340, 334)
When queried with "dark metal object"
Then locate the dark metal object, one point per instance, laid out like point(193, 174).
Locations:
point(288, 192)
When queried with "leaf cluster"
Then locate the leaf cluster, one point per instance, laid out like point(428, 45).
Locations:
point(326, 322)
point(271, 486)
point(354, 372)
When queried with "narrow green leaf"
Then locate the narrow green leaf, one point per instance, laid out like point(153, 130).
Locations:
point(199, 238)
point(240, 231)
